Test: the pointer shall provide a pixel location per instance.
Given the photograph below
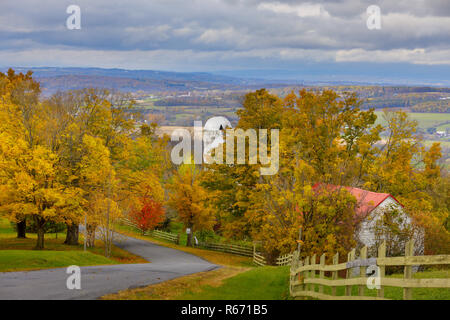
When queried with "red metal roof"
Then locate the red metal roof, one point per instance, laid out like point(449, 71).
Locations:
point(366, 201)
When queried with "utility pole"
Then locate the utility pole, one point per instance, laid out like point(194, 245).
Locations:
point(108, 209)
point(85, 231)
point(299, 241)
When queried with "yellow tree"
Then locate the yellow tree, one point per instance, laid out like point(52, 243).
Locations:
point(189, 199)
point(325, 140)
point(19, 95)
point(230, 187)
point(32, 189)
point(406, 169)
point(97, 179)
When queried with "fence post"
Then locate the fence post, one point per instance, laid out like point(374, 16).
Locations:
point(381, 254)
point(335, 273)
point(362, 270)
point(306, 274)
point(350, 257)
point(312, 274)
point(178, 239)
point(409, 251)
point(321, 272)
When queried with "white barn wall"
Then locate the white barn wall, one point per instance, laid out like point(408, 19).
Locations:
point(366, 234)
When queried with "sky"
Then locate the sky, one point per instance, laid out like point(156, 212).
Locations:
point(264, 38)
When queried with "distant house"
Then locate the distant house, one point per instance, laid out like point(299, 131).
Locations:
point(370, 208)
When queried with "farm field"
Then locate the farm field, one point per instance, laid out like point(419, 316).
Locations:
point(440, 121)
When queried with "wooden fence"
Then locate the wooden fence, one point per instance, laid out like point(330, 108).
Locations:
point(172, 237)
point(246, 251)
point(304, 280)
point(129, 223)
point(284, 260)
point(259, 259)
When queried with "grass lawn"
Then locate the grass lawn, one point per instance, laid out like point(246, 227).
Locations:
point(272, 283)
point(19, 260)
point(262, 283)
point(18, 254)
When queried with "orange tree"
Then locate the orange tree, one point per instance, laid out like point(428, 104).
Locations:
point(148, 216)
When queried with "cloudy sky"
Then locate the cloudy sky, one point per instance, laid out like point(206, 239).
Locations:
point(314, 38)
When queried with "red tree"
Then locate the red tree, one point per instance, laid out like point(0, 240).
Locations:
point(149, 216)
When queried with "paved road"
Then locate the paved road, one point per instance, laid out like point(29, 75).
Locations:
point(97, 281)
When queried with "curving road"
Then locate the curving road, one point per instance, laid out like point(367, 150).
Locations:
point(97, 281)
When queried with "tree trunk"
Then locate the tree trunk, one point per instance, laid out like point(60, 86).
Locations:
point(72, 235)
point(22, 229)
point(90, 234)
point(189, 239)
point(40, 223)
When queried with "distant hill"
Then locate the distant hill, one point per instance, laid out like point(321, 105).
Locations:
point(54, 79)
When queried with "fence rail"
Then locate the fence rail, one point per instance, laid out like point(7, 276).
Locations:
point(129, 223)
point(284, 260)
point(172, 237)
point(259, 259)
point(304, 280)
point(246, 251)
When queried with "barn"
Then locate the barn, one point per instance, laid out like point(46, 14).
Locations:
point(370, 208)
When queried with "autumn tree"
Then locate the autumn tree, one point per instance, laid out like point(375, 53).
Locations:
point(19, 94)
point(31, 171)
point(406, 168)
point(189, 199)
point(325, 139)
point(148, 216)
point(72, 116)
point(229, 186)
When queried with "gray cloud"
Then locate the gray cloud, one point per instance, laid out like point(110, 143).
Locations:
point(413, 31)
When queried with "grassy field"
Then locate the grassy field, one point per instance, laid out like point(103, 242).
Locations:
point(18, 254)
point(424, 120)
point(263, 283)
point(20, 260)
point(272, 283)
